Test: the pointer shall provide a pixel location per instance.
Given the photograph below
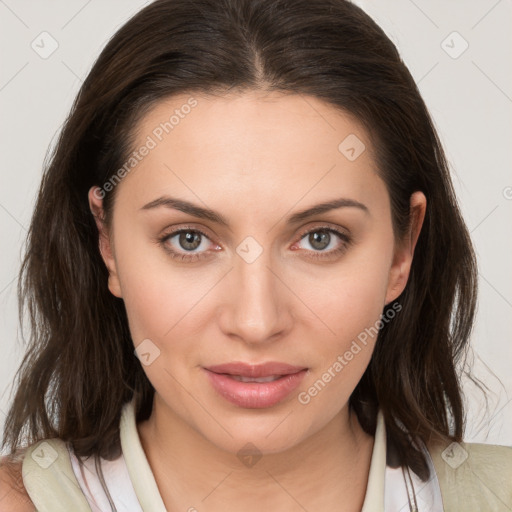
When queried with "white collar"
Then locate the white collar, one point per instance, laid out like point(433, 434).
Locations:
point(149, 497)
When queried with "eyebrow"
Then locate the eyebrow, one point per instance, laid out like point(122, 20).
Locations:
point(207, 214)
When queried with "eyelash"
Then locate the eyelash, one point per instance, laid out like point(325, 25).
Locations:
point(346, 241)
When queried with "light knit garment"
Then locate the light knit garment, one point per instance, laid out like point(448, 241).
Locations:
point(117, 477)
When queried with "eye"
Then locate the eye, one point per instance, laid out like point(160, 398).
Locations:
point(186, 244)
point(191, 244)
point(323, 241)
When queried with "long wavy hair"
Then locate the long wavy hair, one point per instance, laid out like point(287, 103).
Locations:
point(79, 368)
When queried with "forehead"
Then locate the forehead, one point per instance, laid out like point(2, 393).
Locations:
point(255, 120)
point(254, 146)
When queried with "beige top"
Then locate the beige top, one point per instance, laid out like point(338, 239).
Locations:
point(116, 479)
point(470, 475)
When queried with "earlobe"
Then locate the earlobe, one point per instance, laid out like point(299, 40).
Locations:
point(104, 242)
point(404, 252)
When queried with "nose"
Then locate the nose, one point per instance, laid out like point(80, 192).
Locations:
point(258, 306)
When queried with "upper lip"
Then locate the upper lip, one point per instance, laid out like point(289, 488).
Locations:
point(255, 370)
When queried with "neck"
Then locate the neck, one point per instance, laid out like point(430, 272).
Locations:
point(191, 472)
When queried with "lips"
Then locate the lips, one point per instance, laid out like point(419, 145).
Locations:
point(255, 386)
point(255, 371)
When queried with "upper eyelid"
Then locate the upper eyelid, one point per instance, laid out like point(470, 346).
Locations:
point(177, 231)
point(325, 226)
point(340, 231)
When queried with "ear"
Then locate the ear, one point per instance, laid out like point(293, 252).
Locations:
point(404, 249)
point(106, 246)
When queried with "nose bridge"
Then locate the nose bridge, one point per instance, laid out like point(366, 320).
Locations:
point(256, 307)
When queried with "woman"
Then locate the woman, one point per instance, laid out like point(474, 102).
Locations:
point(249, 281)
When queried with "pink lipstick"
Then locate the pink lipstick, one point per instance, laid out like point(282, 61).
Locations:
point(255, 386)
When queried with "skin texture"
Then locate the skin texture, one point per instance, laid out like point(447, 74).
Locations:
point(256, 158)
point(13, 495)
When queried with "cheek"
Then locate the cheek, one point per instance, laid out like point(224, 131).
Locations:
point(348, 297)
point(349, 301)
point(160, 305)
point(346, 329)
point(341, 358)
point(164, 324)
point(151, 296)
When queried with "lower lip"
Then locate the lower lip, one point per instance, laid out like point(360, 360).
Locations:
point(254, 395)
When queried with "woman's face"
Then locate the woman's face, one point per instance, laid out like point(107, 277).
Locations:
point(252, 280)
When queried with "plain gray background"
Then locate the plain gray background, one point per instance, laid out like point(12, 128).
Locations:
point(459, 53)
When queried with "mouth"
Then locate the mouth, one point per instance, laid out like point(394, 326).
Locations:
point(258, 370)
point(241, 378)
point(255, 386)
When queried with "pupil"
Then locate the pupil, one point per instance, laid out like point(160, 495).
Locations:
point(188, 239)
point(318, 238)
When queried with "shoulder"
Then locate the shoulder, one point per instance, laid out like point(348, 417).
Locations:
point(13, 495)
point(495, 454)
point(488, 457)
point(474, 473)
point(49, 478)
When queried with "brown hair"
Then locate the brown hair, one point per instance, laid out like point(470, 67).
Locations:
point(80, 367)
